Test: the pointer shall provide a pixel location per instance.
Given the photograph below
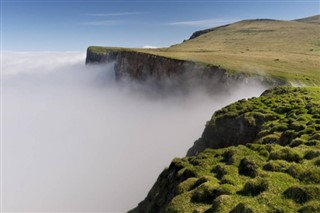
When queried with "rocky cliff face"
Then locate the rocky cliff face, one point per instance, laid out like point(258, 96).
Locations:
point(143, 66)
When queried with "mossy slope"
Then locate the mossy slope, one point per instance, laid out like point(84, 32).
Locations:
point(286, 116)
point(278, 174)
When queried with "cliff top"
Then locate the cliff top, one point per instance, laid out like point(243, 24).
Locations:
point(282, 49)
point(278, 171)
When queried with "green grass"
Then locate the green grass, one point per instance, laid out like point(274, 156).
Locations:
point(267, 191)
point(283, 115)
point(276, 175)
point(280, 49)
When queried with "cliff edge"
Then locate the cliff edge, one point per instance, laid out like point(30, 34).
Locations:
point(274, 169)
point(142, 66)
point(260, 48)
point(171, 73)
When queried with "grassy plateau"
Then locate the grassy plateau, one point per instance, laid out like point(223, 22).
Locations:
point(282, 49)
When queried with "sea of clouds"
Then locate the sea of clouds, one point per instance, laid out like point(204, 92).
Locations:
point(76, 140)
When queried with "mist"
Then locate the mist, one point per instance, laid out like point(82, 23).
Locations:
point(75, 140)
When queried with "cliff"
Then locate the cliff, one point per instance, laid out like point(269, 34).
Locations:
point(256, 155)
point(170, 72)
point(275, 169)
point(141, 66)
point(261, 47)
point(260, 120)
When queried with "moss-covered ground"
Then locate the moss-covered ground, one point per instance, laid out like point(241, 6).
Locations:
point(278, 171)
point(286, 116)
point(259, 178)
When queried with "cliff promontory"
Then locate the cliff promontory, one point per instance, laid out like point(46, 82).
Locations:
point(256, 155)
point(171, 73)
point(276, 51)
point(270, 162)
point(142, 66)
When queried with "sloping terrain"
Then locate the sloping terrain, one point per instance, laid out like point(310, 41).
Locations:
point(312, 19)
point(280, 116)
point(276, 169)
point(288, 50)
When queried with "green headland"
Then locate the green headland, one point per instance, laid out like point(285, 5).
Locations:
point(289, 50)
point(256, 155)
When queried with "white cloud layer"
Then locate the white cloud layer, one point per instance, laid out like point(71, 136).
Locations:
point(74, 140)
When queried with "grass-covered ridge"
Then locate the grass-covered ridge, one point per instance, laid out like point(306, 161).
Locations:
point(281, 49)
point(278, 171)
point(283, 115)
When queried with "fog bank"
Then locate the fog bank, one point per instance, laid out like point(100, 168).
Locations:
point(76, 140)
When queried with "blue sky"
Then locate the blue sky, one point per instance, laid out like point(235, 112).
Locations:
point(72, 25)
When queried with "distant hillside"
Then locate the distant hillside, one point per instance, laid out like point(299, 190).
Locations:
point(288, 49)
point(281, 49)
point(276, 169)
point(201, 32)
point(312, 19)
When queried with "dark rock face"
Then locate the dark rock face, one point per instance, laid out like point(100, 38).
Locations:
point(167, 72)
point(142, 66)
point(94, 57)
point(226, 132)
point(254, 121)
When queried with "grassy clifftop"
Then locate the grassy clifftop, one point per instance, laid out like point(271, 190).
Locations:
point(281, 115)
point(277, 171)
point(281, 49)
